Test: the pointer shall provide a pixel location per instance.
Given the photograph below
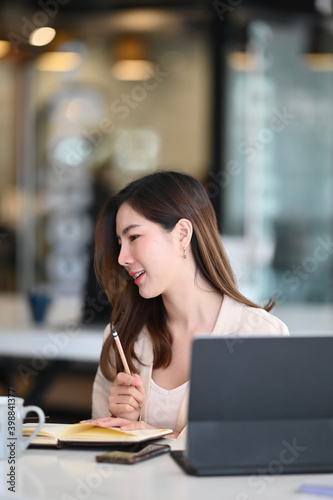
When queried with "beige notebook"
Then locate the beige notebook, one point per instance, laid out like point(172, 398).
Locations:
point(89, 435)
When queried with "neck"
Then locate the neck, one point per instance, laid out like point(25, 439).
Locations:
point(192, 309)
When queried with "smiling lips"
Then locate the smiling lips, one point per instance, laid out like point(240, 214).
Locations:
point(136, 276)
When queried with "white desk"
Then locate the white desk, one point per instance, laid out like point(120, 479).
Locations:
point(69, 475)
point(47, 343)
point(61, 337)
point(33, 355)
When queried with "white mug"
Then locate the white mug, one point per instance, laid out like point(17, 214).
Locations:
point(12, 414)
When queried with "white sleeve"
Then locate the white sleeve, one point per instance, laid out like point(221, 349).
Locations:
point(101, 388)
point(100, 394)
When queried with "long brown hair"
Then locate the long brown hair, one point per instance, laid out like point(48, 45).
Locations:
point(164, 198)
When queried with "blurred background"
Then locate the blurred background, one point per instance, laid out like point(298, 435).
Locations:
point(238, 93)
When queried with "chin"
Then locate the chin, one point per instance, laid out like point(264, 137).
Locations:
point(148, 295)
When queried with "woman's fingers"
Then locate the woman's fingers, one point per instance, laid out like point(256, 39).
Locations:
point(125, 379)
point(126, 396)
point(128, 425)
point(103, 421)
point(125, 390)
point(123, 423)
point(121, 404)
point(139, 385)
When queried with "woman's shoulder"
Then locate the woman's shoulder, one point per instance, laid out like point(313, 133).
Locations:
point(247, 319)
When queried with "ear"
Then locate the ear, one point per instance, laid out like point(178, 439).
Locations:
point(185, 232)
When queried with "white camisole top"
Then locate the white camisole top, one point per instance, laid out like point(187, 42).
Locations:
point(163, 405)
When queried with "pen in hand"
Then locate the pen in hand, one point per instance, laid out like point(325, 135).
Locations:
point(120, 350)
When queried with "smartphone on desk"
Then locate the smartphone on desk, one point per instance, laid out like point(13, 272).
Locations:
point(132, 457)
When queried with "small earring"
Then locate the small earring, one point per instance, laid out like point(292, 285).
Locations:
point(184, 253)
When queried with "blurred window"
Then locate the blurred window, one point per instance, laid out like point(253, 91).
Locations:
point(277, 181)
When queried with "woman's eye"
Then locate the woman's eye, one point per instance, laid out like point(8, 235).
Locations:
point(133, 237)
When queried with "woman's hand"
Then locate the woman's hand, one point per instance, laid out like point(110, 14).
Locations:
point(125, 424)
point(126, 396)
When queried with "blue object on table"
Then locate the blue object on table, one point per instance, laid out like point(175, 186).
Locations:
point(39, 303)
point(317, 489)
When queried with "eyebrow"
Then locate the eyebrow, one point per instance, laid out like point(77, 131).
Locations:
point(127, 229)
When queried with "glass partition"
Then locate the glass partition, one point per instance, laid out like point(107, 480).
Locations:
point(277, 208)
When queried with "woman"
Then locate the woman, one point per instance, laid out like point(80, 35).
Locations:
point(160, 259)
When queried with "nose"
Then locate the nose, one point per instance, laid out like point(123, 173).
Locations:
point(124, 257)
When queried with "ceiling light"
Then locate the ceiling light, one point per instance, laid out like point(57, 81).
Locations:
point(58, 61)
point(319, 62)
point(133, 70)
point(4, 48)
point(131, 60)
point(42, 36)
point(142, 20)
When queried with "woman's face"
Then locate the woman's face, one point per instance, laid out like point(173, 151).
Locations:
point(147, 252)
